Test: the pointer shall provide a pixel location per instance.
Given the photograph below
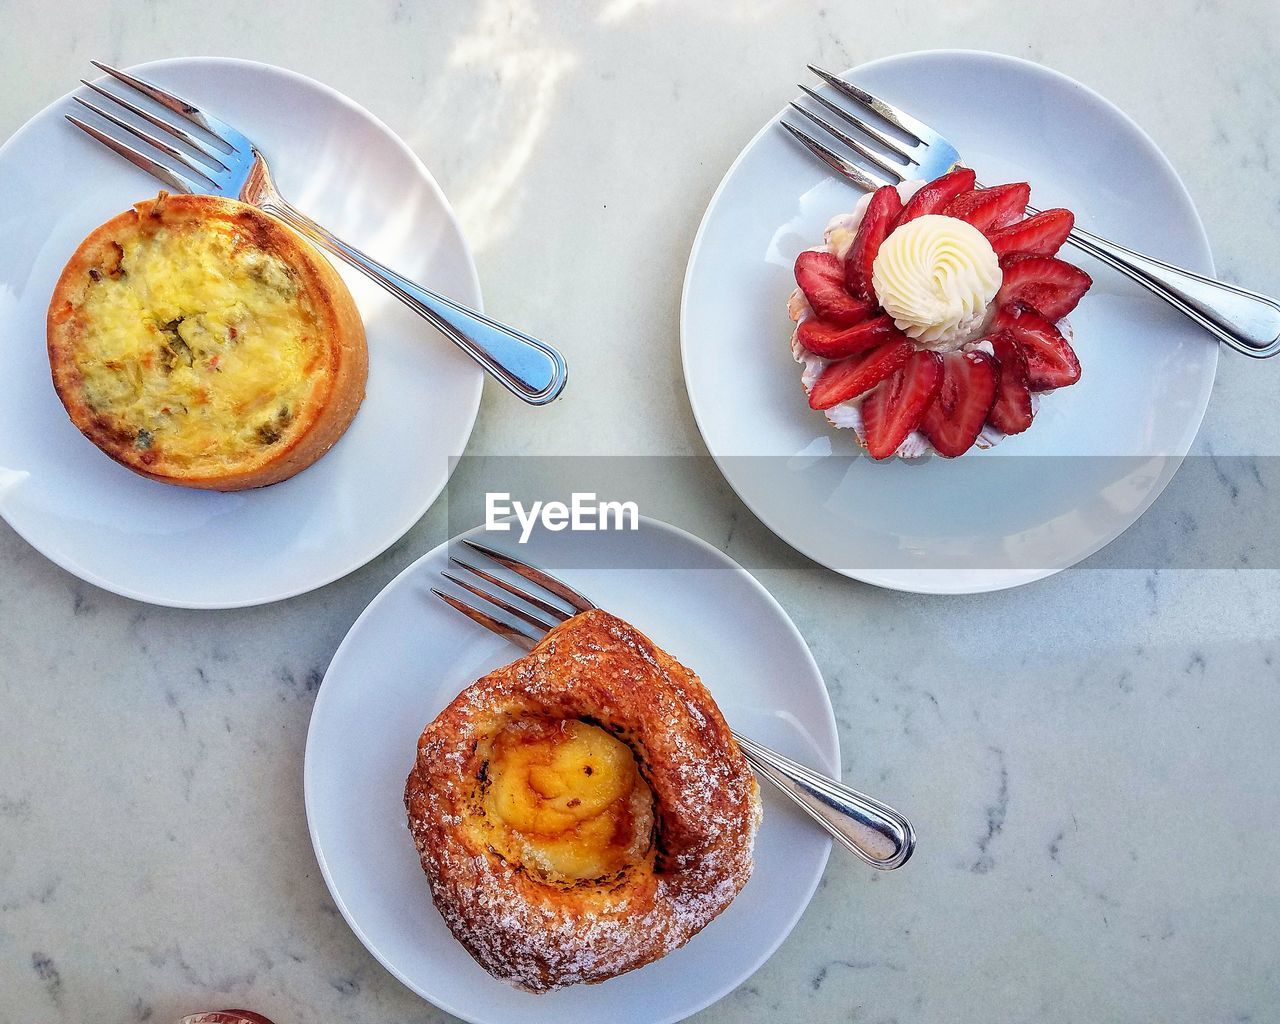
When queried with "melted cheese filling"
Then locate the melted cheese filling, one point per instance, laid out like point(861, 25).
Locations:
point(566, 799)
point(198, 346)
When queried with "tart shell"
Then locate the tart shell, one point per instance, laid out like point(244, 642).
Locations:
point(335, 377)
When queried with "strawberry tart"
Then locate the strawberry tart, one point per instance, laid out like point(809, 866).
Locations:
point(932, 318)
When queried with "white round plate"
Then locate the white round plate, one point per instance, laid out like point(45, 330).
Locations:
point(187, 548)
point(408, 655)
point(1098, 453)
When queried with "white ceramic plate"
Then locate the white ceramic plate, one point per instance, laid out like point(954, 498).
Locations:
point(1098, 454)
point(408, 655)
point(173, 546)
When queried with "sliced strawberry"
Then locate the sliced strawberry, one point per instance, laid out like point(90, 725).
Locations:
point(954, 420)
point(821, 277)
point(991, 208)
point(852, 377)
point(897, 405)
point(1044, 284)
point(1012, 409)
point(1051, 361)
point(935, 196)
point(1041, 235)
point(833, 342)
point(882, 214)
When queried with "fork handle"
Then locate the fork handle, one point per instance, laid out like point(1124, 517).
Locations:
point(873, 831)
point(1247, 321)
point(528, 368)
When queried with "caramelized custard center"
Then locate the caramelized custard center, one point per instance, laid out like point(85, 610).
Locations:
point(567, 799)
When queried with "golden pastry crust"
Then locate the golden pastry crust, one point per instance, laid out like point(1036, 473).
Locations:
point(197, 341)
point(544, 934)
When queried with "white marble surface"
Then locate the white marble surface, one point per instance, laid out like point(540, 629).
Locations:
point(1091, 761)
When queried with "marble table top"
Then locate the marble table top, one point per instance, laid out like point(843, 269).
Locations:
point(1091, 761)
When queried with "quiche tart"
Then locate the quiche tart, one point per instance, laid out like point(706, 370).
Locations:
point(584, 810)
point(197, 341)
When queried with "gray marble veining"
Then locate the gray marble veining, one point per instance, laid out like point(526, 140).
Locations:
point(1090, 761)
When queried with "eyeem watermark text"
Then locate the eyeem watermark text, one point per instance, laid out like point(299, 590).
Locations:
point(583, 512)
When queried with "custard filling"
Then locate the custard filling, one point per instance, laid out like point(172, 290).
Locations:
point(565, 799)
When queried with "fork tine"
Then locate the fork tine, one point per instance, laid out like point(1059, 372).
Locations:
point(899, 118)
point(892, 167)
point(177, 130)
point(488, 621)
point(167, 148)
point(838, 163)
point(558, 613)
point(497, 602)
point(536, 576)
point(166, 174)
point(888, 141)
point(220, 130)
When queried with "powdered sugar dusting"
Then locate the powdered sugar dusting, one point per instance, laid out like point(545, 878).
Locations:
point(542, 934)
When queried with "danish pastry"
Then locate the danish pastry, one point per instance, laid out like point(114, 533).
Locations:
point(582, 811)
point(197, 341)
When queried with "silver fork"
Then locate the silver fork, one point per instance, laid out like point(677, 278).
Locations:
point(1247, 321)
point(218, 160)
point(873, 831)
